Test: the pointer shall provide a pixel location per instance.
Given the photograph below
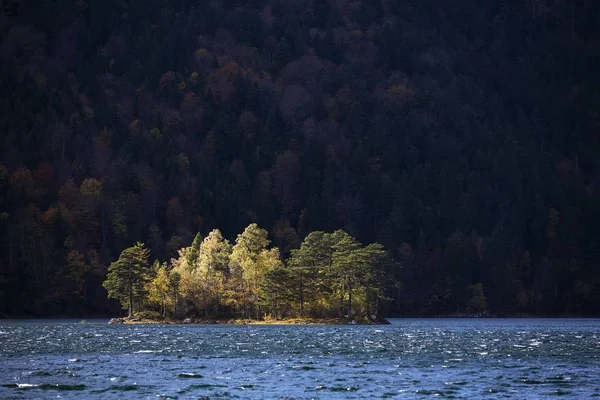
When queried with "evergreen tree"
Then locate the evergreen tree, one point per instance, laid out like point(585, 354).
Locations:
point(359, 273)
point(192, 255)
point(478, 302)
point(277, 291)
point(376, 276)
point(308, 265)
point(128, 276)
point(345, 268)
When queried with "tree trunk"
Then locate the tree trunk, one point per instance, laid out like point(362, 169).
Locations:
point(175, 301)
point(349, 301)
point(130, 288)
point(301, 296)
point(341, 306)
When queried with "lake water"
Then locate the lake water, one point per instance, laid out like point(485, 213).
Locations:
point(454, 358)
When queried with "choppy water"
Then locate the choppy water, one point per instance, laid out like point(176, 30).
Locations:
point(450, 358)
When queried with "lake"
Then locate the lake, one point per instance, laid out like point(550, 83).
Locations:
point(453, 358)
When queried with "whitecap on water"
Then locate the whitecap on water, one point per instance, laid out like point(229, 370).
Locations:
point(26, 385)
point(189, 375)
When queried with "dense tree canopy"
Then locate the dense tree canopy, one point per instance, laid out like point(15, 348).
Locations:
point(462, 137)
point(249, 280)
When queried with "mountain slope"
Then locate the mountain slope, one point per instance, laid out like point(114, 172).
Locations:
point(463, 138)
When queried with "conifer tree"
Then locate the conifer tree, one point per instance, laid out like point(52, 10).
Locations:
point(345, 268)
point(308, 265)
point(192, 255)
point(128, 276)
point(276, 291)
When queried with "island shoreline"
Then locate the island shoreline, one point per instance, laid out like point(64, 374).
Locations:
point(238, 321)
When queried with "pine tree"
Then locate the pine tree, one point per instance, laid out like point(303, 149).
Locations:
point(359, 272)
point(128, 276)
point(345, 267)
point(276, 291)
point(192, 256)
point(308, 265)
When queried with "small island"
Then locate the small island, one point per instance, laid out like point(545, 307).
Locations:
point(145, 318)
point(330, 279)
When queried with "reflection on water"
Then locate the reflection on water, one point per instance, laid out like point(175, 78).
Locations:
point(410, 358)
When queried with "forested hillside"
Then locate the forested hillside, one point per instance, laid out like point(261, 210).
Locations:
point(462, 136)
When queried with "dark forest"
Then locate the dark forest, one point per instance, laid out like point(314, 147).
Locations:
point(464, 137)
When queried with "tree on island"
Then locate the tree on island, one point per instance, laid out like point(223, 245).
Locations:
point(212, 268)
point(251, 260)
point(128, 277)
point(162, 290)
point(331, 274)
point(276, 291)
point(307, 265)
point(345, 268)
point(464, 139)
point(335, 271)
point(358, 272)
point(194, 249)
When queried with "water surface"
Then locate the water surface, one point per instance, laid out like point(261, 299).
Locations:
point(452, 358)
